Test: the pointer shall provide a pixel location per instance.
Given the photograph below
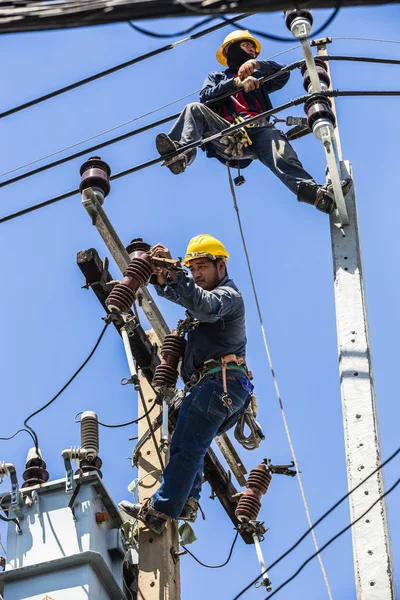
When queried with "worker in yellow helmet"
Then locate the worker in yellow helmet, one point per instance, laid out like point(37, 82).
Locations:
point(213, 369)
point(239, 52)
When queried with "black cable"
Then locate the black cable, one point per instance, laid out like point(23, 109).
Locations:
point(120, 138)
point(326, 514)
point(332, 540)
point(192, 145)
point(134, 132)
point(278, 38)
point(129, 422)
point(154, 34)
point(85, 362)
point(16, 433)
point(214, 566)
point(142, 398)
point(111, 70)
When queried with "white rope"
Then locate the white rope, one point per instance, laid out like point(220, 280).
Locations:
point(235, 204)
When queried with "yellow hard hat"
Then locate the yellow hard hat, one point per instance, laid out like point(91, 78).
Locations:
point(236, 36)
point(204, 246)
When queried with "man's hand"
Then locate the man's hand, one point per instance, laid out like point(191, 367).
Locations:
point(250, 83)
point(162, 252)
point(248, 68)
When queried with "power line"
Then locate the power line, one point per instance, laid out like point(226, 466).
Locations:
point(192, 145)
point(326, 514)
point(275, 381)
point(278, 38)
point(116, 68)
point(85, 362)
point(154, 34)
point(334, 538)
point(128, 422)
point(134, 132)
point(214, 566)
point(16, 433)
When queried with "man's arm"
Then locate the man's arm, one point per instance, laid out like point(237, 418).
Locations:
point(216, 85)
point(165, 291)
point(268, 67)
point(208, 306)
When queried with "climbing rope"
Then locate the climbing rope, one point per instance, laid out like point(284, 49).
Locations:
point(236, 207)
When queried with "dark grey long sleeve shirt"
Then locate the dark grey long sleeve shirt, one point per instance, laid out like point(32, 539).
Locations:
point(221, 312)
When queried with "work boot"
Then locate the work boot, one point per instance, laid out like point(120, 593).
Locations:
point(164, 146)
point(146, 514)
point(321, 196)
point(189, 511)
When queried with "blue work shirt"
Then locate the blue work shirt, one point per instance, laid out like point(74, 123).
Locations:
point(221, 312)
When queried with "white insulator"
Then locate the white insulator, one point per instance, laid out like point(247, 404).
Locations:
point(3, 469)
point(300, 28)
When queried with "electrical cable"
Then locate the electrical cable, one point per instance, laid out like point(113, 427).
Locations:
point(278, 38)
point(324, 516)
point(333, 539)
point(192, 145)
point(14, 434)
point(123, 65)
point(213, 566)
point(129, 422)
point(274, 378)
point(154, 34)
point(367, 40)
point(85, 362)
point(134, 132)
point(142, 398)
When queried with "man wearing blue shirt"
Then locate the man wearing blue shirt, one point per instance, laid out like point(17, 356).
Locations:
point(197, 121)
point(213, 369)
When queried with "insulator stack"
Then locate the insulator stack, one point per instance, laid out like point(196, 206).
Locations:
point(137, 273)
point(35, 469)
point(318, 108)
point(87, 466)
point(172, 351)
point(90, 433)
point(95, 173)
point(136, 247)
point(299, 21)
point(322, 74)
point(257, 485)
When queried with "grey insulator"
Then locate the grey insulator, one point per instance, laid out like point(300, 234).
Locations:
point(90, 431)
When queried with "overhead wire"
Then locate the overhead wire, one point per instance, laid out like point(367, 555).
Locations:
point(116, 68)
point(135, 132)
point(278, 38)
point(154, 34)
point(322, 518)
point(214, 566)
point(333, 539)
point(128, 422)
point(275, 381)
point(85, 362)
point(192, 145)
point(16, 433)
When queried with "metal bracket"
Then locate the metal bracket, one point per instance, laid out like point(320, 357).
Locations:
point(280, 469)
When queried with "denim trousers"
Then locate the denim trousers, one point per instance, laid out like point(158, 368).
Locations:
point(269, 145)
point(202, 417)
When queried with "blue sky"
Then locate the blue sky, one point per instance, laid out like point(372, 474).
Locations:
point(49, 323)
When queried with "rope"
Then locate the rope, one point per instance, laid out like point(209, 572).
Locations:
point(236, 207)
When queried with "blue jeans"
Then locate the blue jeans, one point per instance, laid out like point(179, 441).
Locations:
point(269, 145)
point(201, 417)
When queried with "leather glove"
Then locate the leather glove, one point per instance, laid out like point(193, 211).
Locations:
point(250, 83)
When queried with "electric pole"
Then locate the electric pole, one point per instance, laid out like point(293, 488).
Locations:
point(371, 543)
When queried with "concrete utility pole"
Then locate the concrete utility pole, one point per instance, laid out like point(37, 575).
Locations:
point(371, 542)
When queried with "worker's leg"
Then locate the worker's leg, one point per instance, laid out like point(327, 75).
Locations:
point(273, 149)
point(195, 122)
point(201, 416)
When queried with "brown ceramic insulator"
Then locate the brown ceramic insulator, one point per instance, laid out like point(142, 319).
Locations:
point(291, 15)
point(318, 107)
point(322, 74)
point(88, 466)
point(95, 173)
point(257, 485)
point(35, 474)
point(137, 273)
point(173, 349)
point(320, 62)
point(136, 247)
